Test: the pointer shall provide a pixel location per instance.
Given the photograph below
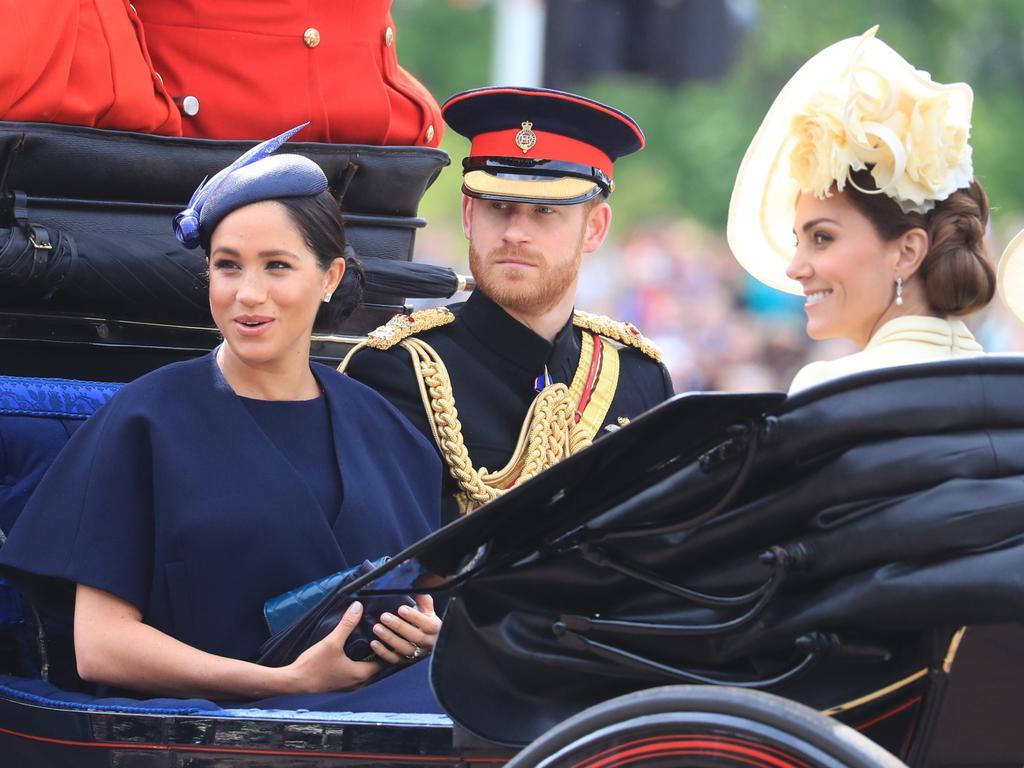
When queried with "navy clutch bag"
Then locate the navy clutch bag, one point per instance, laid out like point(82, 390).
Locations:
point(304, 616)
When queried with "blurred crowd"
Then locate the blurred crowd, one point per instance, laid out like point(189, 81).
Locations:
point(718, 328)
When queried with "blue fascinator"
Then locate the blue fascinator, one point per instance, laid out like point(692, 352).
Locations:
point(253, 177)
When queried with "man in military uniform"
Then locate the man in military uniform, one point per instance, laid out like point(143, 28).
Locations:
point(514, 379)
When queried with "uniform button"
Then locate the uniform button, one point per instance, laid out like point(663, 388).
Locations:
point(430, 133)
point(389, 36)
point(311, 37)
point(189, 105)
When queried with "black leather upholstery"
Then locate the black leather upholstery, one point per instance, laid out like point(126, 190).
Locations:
point(863, 521)
point(72, 162)
point(105, 199)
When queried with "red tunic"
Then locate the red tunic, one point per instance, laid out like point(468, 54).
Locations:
point(82, 62)
point(259, 68)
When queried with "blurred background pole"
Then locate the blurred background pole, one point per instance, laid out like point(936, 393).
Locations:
point(518, 42)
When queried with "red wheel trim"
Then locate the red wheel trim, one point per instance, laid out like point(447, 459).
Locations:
point(740, 750)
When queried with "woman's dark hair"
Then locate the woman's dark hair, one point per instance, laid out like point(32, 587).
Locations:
point(319, 221)
point(957, 270)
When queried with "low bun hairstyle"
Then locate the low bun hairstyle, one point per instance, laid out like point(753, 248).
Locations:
point(346, 298)
point(957, 271)
point(319, 220)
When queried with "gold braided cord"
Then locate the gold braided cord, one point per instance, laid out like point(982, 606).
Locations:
point(343, 367)
point(402, 326)
point(549, 432)
point(616, 330)
point(398, 328)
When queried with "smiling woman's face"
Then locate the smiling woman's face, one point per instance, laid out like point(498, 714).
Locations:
point(848, 272)
point(265, 286)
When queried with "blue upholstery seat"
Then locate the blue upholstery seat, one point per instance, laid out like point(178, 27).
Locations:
point(37, 416)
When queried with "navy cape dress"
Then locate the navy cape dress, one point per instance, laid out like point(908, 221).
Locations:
point(173, 498)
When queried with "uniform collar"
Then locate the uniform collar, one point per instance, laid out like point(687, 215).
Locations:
point(496, 329)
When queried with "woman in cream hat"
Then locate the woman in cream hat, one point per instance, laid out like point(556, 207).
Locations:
point(866, 162)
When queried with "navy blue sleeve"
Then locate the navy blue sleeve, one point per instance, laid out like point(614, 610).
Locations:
point(90, 520)
point(667, 381)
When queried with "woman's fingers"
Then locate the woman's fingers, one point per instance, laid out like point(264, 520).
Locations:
point(340, 634)
point(386, 654)
point(425, 603)
point(423, 615)
point(398, 635)
point(325, 667)
point(426, 621)
point(349, 621)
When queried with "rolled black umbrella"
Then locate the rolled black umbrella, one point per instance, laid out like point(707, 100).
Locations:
point(141, 277)
point(151, 277)
point(412, 280)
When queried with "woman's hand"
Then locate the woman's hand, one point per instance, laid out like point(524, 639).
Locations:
point(325, 667)
point(114, 646)
point(408, 636)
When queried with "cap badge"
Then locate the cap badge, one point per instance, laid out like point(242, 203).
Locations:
point(526, 138)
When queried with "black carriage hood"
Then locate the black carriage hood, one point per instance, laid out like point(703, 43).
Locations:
point(85, 227)
point(75, 163)
point(753, 540)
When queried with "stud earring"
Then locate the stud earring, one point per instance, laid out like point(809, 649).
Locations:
point(899, 290)
point(327, 298)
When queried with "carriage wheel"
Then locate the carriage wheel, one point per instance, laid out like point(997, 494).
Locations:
point(697, 726)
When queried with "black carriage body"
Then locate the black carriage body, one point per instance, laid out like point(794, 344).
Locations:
point(517, 654)
point(42, 734)
point(827, 548)
point(521, 574)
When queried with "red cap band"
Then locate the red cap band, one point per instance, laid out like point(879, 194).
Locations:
point(549, 146)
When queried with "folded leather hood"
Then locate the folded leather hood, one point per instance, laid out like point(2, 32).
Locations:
point(822, 548)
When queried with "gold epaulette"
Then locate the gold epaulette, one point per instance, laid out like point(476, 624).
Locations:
point(622, 332)
point(402, 327)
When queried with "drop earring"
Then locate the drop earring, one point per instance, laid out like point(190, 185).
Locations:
point(327, 298)
point(899, 290)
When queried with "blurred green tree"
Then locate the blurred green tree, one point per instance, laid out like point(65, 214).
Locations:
point(697, 132)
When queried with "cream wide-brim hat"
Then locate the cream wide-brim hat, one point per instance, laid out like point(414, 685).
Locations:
point(1010, 278)
point(761, 211)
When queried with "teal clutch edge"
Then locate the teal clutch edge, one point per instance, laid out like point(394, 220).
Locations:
point(283, 610)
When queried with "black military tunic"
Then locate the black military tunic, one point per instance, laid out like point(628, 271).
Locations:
point(494, 361)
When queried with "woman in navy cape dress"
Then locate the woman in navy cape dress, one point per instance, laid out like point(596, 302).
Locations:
point(190, 499)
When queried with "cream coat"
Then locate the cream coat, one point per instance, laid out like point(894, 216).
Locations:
point(902, 341)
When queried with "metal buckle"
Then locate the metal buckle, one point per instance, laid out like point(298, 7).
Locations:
point(37, 245)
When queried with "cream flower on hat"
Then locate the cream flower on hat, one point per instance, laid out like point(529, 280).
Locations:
point(857, 104)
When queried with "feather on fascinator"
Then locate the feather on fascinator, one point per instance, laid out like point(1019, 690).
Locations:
point(856, 105)
point(253, 177)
